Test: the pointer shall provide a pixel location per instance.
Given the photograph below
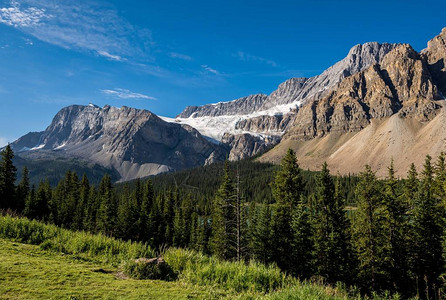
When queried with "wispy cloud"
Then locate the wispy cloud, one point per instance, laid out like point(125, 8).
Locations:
point(126, 94)
point(243, 56)
point(85, 26)
point(180, 56)
point(111, 56)
point(211, 70)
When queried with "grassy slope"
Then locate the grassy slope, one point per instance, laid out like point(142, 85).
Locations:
point(62, 264)
point(26, 272)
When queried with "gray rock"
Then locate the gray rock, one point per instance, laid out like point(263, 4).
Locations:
point(134, 142)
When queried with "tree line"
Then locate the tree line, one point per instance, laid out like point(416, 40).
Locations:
point(391, 239)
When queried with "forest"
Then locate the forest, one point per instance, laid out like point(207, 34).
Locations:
point(358, 231)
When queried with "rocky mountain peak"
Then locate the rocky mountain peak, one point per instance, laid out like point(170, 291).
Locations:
point(435, 55)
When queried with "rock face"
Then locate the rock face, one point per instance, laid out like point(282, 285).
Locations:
point(401, 83)
point(271, 115)
point(435, 55)
point(394, 109)
point(134, 142)
point(297, 89)
point(359, 58)
point(242, 106)
point(247, 145)
point(272, 125)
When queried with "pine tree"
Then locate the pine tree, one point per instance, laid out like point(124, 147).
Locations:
point(261, 246)
point(428, 261)
point(331, 238)
point(301, 260)
point(23, 189)
point(146, 205)
point(286, 189)
point(223, 213)
point(411, 186)
point(369, 237)
point(107, 213)
point(8, 175)
point(396, 227)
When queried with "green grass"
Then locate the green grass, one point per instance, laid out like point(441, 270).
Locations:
point(40, 261)
point(28, 272)
point(85, 245)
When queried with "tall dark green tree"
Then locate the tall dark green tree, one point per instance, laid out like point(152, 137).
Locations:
point(107, 213)
point(301, 251)
point(8, 176)
point(287, 189)
point(223, 215)
point(396, 227)
point(23, 189)
point(331, 237)
point(428, 261)
point(261, 246)
point(369, 237)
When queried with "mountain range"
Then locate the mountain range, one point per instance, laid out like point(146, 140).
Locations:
point(381, 102)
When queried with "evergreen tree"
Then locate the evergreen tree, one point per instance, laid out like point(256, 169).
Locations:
point(396, 227)
point(223, 213)
point(411, 186)
point(261, 245)
point(107, 213)
point(146, 205)
point(286, 189)
point(8, 175)
point(23, 189)
point(428, 261)
point(369, 237)
point(301, 258)
point(331, 238)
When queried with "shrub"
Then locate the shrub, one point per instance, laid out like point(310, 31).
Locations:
point(143, 268)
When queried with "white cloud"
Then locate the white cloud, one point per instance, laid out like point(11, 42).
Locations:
point(111, 56)
point(14, 16)
point(80, 25)
point(249, 57)
point(180, 56)
point(126, 94)
point(209, 69)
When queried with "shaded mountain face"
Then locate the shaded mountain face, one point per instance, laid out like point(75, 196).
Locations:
point(136, 143)
point(391, 110)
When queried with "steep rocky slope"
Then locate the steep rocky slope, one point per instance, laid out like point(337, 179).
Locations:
point(134, 142)
point(267, 118)
point(390, 110)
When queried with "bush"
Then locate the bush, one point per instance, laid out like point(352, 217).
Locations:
point(97, 247)
point(143, 268)
point(199, 269)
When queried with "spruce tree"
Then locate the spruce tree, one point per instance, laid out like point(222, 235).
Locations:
point(23, 189)
point(286, 189)
point(223, 229)
point(369, 236)
point(261, 245)
point(428, 261)
point(146, 205)
point(396, 226)
point(8, 175)
point(302, 246)
point(107, 213)
point(333, 255)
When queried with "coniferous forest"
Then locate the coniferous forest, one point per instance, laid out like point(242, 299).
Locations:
point(376, 234)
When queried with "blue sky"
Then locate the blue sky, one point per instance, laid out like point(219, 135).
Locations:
point(165, 55)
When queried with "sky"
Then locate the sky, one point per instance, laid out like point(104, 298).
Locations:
point(165, 55)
